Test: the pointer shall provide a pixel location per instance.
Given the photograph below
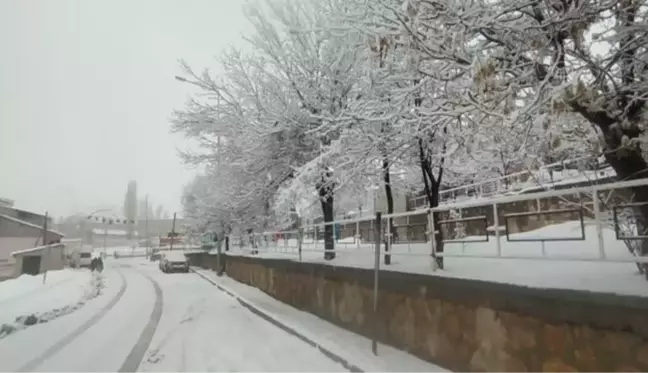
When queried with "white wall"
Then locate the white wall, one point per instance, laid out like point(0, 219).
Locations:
point(52, 259)
point(10, 244)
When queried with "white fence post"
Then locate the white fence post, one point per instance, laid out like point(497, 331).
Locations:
point(432, 236)
point(374, 341)
point(358, 234)
point(496, 224)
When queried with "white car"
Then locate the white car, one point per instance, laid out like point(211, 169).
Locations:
point(172, 261)
point(85, 257)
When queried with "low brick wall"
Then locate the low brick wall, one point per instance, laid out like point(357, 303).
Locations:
point(464, 325)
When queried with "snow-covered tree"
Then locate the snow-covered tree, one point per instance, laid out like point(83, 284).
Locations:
point(281, 109)
point(347, 96)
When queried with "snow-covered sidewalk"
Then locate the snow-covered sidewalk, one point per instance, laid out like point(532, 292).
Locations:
point(350, 346)
point(28, 297)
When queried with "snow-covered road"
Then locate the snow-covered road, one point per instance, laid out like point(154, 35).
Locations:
point(151, 321)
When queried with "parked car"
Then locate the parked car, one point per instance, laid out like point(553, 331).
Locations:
point(172, 261)
point(155, 255)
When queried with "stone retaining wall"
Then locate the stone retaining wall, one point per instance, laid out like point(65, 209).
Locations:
point(463, 325)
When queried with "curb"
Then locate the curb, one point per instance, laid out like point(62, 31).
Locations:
point(290, 330)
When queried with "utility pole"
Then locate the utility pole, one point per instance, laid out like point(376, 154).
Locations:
point(146, 233)
point(45, 243)
point(105, 222)
point(173, 232)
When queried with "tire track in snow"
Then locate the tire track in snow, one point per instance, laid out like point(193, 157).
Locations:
point(193, 313)
point(34, 363)
point(134, 358)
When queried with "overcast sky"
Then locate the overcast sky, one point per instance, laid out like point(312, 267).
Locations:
point(86, 90)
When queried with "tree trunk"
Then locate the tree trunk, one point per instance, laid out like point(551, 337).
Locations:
point(252, 241)
point(266, 219)
point(227, 230)
point(624, 157)
point(632, 166)
point(390, 209)
point(326, 200)
point(433, 198)
point(325, 190)
point(432, 189)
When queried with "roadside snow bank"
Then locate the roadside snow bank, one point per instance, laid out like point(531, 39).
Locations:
point(40, 303)
point(25, 285)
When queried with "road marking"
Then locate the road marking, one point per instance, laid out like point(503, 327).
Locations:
point(34, 363)
point(134, 358)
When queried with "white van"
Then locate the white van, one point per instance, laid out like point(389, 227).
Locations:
point(85, 257)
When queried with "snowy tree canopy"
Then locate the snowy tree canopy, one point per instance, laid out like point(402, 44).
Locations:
point(335, 98)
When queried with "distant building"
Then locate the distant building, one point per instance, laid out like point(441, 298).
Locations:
point(160, 227)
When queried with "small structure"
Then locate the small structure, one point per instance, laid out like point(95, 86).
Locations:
point(39, 259)
point(15, 235)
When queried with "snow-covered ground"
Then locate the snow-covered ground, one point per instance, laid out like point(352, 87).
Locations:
point(146, 320)
point(350, 346)
point(99, 336)
point(203, 329)
point(27, 296)
point(622, 278)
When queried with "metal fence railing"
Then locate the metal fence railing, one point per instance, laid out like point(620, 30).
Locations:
point(510, 220)
point(565, 172)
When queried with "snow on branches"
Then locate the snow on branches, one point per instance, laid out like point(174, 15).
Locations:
point(340, 97)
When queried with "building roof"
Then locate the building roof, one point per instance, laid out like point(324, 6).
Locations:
point(12, 207)
point(22, 222)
